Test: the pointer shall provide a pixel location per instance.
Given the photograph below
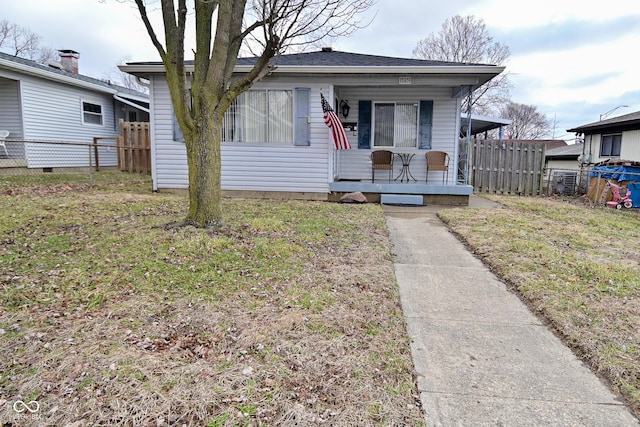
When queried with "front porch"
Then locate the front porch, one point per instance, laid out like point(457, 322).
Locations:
point(440, 194)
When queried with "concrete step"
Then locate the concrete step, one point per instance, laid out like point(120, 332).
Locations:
point(401, 199)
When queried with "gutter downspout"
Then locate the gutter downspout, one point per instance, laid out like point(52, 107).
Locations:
point(131, 103)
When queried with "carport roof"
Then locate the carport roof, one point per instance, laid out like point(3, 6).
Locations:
point(481, 124)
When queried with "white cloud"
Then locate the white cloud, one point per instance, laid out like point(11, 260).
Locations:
point(590, 74)
point(507, 14)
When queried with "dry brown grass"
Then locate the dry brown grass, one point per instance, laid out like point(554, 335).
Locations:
point(288, 316)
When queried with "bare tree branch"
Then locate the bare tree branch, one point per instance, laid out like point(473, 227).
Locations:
point(142, 8)
point(466, 40)
point(527, 122)
point(274, 26)
point(22, 42)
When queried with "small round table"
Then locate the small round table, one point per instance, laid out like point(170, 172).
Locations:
point(405, 173)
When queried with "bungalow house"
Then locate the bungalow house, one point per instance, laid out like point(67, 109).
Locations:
point(275, 141)
point(54, 103)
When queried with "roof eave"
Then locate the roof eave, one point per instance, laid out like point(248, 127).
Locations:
point(596, 128)
point(309, 69)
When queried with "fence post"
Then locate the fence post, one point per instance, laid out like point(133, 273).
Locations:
point(595, 196)
point(90, 165)
point(95, 152)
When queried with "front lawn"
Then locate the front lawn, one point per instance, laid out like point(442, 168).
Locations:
point(110, 315)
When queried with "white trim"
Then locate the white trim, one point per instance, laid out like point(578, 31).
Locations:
point(313, 69)
point(132, 104)
point(82, 113)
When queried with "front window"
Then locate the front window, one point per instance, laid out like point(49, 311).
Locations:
point(91, 113)
point(610, 145)
point(260, 116)
point(395, 125)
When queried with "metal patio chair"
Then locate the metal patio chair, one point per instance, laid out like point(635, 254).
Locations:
point(3, 135)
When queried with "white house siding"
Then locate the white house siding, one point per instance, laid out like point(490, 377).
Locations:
point(52, 111)
point(356, 163)
point(563, 164)
point(245, 166)
point(630, 149)
point(10, 116)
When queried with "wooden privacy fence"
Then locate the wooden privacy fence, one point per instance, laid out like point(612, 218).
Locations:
point(508, 167)
point(134, 148)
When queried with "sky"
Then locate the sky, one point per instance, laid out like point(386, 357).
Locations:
point(573, 60)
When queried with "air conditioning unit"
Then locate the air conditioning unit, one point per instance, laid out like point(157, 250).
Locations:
point(564, 182)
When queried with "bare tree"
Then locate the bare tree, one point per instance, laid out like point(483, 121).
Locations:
point(527, 122)
point(267, 27)
point(21, 41)
point(125, 79)
point(466, 40)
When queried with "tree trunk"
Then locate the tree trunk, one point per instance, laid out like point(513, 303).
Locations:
point(205, 186)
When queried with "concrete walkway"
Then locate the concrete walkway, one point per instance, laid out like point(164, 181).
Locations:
point(481, 358)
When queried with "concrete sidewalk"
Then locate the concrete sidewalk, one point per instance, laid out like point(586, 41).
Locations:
point(481, 358)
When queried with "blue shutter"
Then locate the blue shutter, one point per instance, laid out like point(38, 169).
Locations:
point(364, 124)
point(301, 128)
point(177, 132)
point(425, 125)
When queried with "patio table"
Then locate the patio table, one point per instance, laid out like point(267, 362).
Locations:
point(405, 173)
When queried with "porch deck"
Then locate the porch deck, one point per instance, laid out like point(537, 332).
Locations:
point(441, 194)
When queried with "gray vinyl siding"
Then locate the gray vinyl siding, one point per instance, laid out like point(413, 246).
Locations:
point(245, 166)
point(285, 167)
point(356, 163)
point(10, 115)
point(52, 111)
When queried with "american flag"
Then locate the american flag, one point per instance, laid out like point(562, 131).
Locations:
point(337, 130)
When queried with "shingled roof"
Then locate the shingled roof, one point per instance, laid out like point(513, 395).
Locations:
point(59, 74)
point(328, 57)
point(629, 121)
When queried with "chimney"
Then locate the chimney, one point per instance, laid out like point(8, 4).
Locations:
point(69, 60)
point(327, 49)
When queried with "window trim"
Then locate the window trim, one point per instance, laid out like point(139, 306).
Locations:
point(425, 124)
point(416, 104)
point(267, 130)
point(83, 112)
point(611, 151)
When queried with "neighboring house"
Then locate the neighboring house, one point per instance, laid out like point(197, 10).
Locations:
point(563, 169)
point(617, 138)
point(54, 103)
point(564, 157)
point(275, 139)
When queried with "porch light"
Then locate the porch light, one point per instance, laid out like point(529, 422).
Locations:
point(344, 108)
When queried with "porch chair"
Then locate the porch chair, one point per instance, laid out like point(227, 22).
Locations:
point(3, 135)
point(381, 160)
point(438, 161)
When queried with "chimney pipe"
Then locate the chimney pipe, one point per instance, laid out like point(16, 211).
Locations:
point(69, 60)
